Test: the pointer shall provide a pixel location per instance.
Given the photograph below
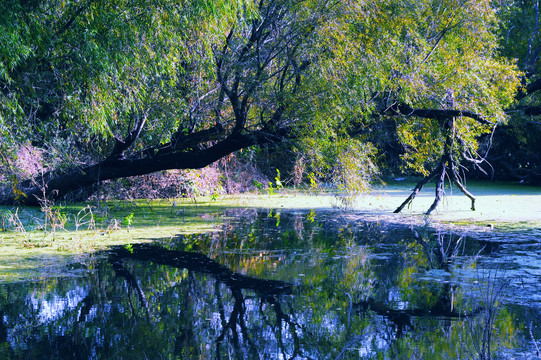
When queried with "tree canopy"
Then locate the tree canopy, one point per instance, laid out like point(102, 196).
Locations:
point(110, 89)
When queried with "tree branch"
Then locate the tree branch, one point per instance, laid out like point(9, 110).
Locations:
point(68, 23)
point(58, 186)
point(435, 114)
point(121, 146)
point(182, 142)
point(528, 89)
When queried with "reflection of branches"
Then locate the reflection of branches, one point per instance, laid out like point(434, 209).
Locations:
point(482, 330)
point(440, 250)
point(281, 316)
point(221, 310)
point(230, 325)
point(202, 264)
point(237, 321)
point(236, 318)
point(285, 318)
point(402, 317)
point(348, 345)
point(194, 262)
point(355, 339)
point(132, 283)
point(88, 301)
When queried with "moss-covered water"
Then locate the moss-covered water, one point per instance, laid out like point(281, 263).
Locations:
point(274, 284)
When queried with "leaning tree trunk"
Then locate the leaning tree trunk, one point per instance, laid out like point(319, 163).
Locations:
point(51, 186)
point(446, 167)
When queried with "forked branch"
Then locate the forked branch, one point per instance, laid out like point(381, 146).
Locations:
point(447, 166)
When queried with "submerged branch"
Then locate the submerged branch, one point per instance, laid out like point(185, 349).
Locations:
point(439, 186)
point(418, 188)
point(447, 165)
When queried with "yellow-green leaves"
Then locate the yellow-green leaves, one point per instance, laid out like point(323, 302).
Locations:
point(416, 52)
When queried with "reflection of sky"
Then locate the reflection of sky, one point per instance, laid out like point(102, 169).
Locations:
point(46, 307)
point(54, 306)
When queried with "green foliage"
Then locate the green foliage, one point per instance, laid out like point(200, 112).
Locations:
point(84, 71)
point(128, 220)
point(516, 152)
point(216, 193)
point(313, 182)
point(277, 180)
point(400, 52)
point(345, 163)
point(76, 75)
point(420, 52)
point(520, 33)
point(258, 185)
point(129, 247)
point(270, 189)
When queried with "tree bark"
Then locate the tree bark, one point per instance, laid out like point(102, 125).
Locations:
point(437, 114)
point(439, 188)
point(447, 163)
point(418, 188)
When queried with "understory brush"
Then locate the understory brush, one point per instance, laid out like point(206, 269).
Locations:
point(228, 176)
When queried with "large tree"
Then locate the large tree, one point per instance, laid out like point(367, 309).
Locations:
point(151, 86)
point(133, 87)
point(450, 86)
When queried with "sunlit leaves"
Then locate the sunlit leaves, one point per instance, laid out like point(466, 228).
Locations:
point(420, 50)
point(375, 54)
point(88, 71)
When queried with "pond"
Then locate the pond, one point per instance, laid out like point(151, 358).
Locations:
point(288, 285)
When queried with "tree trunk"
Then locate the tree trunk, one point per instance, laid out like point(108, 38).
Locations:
point(447, 165)
point(418, 188)
point(52, 186)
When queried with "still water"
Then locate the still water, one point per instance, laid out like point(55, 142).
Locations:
point(289, 285)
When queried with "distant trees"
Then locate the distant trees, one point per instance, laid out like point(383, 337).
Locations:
point(516, 152)
point(120, 88)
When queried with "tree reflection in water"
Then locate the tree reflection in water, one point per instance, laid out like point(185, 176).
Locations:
point(275, 286)
point(234, 325)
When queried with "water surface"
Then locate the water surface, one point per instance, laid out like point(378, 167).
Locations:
point(290, 284)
